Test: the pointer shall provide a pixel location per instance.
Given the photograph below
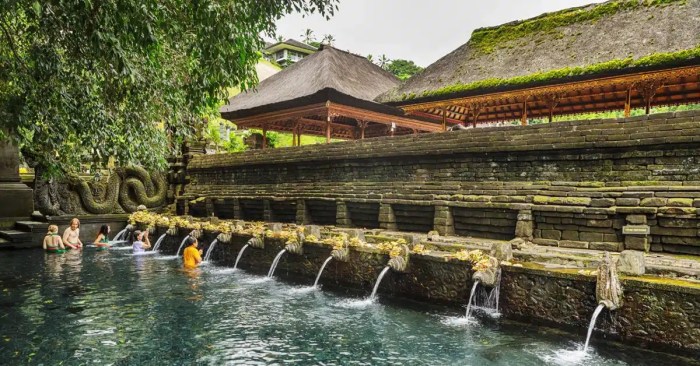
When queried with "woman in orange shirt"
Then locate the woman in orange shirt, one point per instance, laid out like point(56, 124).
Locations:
point(192, 257)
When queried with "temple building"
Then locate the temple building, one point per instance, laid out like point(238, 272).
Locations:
point(618, 55)
point(329, 93)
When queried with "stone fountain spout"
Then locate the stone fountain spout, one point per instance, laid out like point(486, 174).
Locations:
point(196, 233)
point(399, 263)
point(224, 238)
point(608, 288)
point(256, 242)
point(342, 254)
point(488, 276)
point(295, 245)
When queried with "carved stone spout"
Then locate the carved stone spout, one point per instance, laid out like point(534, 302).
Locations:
point(172, 231)
point(196, 234)
point(296, 244)
point(342, 254)
point(256, 242)
point(488, 276)
point(608, 288)
point(399, 263)
point(224, 238)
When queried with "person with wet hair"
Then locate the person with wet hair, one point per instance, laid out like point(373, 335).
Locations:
point(191, 257)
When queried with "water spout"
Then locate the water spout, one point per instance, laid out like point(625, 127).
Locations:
point(471, 297)
point(181, 245)
point(271, 272)
point(210, 250)
point(240, 254)
point(157, 244)
point(119, 235)
point(318, 276)
point(592, 324)
point(379, 280)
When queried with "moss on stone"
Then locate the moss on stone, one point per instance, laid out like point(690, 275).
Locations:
point(680, 202)
point(541, 200)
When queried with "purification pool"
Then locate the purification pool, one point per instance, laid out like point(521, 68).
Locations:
point(114, 308)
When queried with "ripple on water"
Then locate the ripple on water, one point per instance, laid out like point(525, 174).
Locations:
point(302, 290)
point(569, 356)
point(459, 321)
point(356, 303)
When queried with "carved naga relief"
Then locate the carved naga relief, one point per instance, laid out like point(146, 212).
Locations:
point(122, 191)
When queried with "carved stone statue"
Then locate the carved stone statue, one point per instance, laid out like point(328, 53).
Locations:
point(608, 288)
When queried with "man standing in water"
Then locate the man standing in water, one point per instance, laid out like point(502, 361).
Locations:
point(192, 257)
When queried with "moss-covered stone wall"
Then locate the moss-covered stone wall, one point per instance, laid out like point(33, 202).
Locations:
point(609, 184)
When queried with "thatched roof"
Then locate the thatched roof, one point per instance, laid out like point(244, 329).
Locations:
point(578, 39)
point(291, 42)
point(328, 75)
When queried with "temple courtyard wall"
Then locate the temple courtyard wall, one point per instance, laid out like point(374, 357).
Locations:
point(614, 184)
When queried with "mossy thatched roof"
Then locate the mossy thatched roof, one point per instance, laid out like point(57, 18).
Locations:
point(613, 37)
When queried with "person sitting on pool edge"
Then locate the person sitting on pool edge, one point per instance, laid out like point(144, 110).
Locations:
point(191, 257)
point(71, 236)
point(52, 241)
point(141, 242)
point(102, 240)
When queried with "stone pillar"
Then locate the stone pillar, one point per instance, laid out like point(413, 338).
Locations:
point(443, 222)
point(17, 199)
point(387, 220)
point(237, 214)
point(636, 233)
point(267, 211)
point(342, 215)
point(524, 227)
point(209, 207)
point(302, 213)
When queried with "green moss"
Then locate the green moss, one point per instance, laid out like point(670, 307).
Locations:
point(651, 60)
point(487, 40)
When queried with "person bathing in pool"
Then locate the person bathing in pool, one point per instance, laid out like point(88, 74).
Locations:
point(52, 241)
point(102, 240)
point(71, 237)
point(141, 242)
point(192, 257)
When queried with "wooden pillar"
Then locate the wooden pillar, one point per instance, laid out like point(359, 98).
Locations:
point(648, 90)
point(363, 126)
point(264, 136)
point(523, 117)
point(628, 102)
point(552, 100)
point(328, 129)
point(444, 118)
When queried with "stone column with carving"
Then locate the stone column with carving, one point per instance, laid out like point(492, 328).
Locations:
point(17, 199)
point(342, 216)
point(387, 219)
point(443, 222)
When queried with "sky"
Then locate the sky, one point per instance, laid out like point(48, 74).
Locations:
point(422, 31)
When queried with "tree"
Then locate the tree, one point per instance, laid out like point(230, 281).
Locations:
point(328, 39)
point(308, 36)
point(112, 78)
point(403, 69)
point(370, 58)
point(383, 61)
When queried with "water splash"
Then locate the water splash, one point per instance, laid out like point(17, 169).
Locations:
point(318, 276)
point(182, 243)
point(379, 280)
point(210, 250)
point(592, 324)
point(240, 254)
point(157, 244)
point(271, 272)
point(471, 297)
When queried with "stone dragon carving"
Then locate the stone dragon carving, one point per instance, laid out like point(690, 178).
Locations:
point(122, 191)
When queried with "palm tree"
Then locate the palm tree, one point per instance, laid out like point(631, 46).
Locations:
point(383, 61)
point(328, 39)
point(308, 36)
point(280, 38)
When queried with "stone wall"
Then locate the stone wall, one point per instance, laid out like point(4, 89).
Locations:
point(607, 184)
point(656, 315)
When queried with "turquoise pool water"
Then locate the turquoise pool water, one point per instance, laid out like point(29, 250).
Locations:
point(114, 308)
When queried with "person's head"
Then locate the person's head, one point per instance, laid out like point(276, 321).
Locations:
point(104, 230)
point(191, 241)
point(137, 235)
point(74, 223)
point(53, 229)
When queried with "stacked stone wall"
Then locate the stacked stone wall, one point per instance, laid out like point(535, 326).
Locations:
point(607, 184)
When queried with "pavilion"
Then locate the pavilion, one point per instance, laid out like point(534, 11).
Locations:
point(329, 93)
point(618, 55)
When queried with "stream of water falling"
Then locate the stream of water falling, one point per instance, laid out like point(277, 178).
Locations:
point(271, 272)
point(119, 235)
point(318, 276)
point(210, 250)
point(240, 254)
point(157, 244)
point(182, 243)
point(592, 324)
point(471, 297)
point(379, 280)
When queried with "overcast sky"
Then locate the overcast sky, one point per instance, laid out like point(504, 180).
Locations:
point(422, 31)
